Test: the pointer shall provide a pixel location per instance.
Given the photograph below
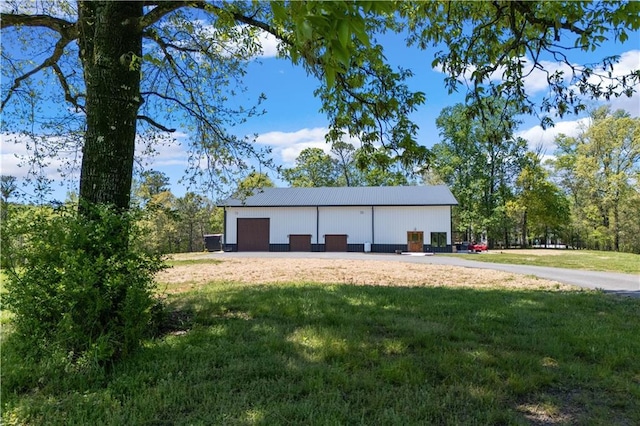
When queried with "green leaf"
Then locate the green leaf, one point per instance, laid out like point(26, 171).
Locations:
point(330, 76)
point(343, 32)
point(340, 54)
point(359, 30)
point(306, 30)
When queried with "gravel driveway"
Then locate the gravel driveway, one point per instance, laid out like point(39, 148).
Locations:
point(610, 282)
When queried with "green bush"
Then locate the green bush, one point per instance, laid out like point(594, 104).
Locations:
point(79, 288)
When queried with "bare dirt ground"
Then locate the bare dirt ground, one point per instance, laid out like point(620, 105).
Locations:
point(356, 272)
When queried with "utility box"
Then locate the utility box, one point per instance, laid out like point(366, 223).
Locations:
point(213, 242)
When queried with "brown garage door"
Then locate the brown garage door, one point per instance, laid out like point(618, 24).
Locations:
point(299, 242)
point(253, 234)
point(335, 243)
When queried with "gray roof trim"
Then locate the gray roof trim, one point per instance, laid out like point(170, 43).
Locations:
point(438, 195)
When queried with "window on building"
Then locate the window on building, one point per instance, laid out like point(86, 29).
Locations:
point(438, 239)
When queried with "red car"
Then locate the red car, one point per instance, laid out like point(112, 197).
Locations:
point(477, 247)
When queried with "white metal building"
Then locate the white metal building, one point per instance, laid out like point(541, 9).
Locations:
point(377, 219)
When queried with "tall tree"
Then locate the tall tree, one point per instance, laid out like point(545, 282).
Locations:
point(313, 168)
point(539, 205)
point(192, 56)
point(151, 183)
point(180, 62)
point(480, 160)
point(194, 212)
point(7, 187)
point(599, 169)
point(254, 181)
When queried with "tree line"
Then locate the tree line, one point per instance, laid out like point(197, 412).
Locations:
point(586, 194)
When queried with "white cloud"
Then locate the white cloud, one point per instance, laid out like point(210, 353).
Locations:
point(267, 42)
point(17, 150)
point(629, 61)
point(288, 145)
point(166, 152)
point(545, 138)
point(269, 45)
point(630, 105)
point(536, 79)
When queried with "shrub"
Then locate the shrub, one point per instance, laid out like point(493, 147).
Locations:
point(79, 288)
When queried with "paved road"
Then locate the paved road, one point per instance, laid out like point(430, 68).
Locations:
point(610, 282)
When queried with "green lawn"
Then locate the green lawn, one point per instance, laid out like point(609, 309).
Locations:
point(344, 354)
point(628, 263)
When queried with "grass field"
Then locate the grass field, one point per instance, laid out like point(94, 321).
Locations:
point(305, 353)
point(628, 263)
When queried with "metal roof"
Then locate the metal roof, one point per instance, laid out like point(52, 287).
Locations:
point(438, 195)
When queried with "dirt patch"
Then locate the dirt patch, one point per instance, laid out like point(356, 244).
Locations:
point(357, 272)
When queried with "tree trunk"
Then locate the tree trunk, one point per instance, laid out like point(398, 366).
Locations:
point(110, 45)
point(525, 231)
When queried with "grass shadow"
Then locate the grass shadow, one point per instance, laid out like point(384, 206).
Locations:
point(344, 354)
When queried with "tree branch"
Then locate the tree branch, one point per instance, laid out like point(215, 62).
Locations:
point(49, 62)
point(153, 35)
point(164, 8)
point(529, 15)
point(160, 11)
point(155, 124)
point(65, 28)
point(67, 89)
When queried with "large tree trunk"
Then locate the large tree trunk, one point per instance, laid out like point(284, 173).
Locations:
point(110, 44)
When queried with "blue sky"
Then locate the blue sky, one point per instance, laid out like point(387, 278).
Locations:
point(293, 121)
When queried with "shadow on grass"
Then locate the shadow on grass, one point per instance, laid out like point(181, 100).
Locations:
point(319, 354)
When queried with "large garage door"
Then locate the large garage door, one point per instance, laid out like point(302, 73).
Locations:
point(253, 234)
point(299, 242)
point(335, 243)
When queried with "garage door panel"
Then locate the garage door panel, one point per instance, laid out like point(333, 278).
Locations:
point(253, 234)
point(299, 242)
point(335, 242)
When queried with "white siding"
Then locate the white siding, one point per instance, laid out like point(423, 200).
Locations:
point(352, 221)
point(283, 221)
point(392, 223)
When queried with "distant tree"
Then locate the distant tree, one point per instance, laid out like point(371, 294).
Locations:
point(599, 169)
point(384, 171)
point(345, 164)
point(479, 159)
point(539, 205)
point(254, 181)
point(194, 213)
point(313, 168)
point(152, 183)
point(7, 187)
point(160, 223)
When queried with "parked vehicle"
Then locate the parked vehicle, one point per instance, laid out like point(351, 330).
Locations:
point(473, 247)
point(477, 247)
